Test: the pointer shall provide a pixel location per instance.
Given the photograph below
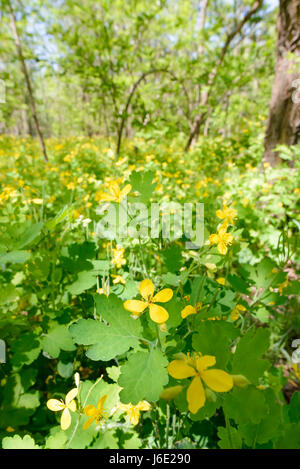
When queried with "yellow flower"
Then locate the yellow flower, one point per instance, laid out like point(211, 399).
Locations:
point(227, 214)
point(196, 367)
point(118, 258)
point(157, 313)
point(115, 193)
point(236, 312)
point(95, 413)
point(118, 279)
point(10, 429)
point(283, 285)
point(133, 411)
point(221, 280)
point(55, 405)
point(296, 370)
point(222, 239)
point(188, 310)
point(37, 201)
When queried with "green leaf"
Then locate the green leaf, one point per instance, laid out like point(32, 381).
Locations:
point(245, 405)
point(143, 377)
point(226, 298)
point(57, 439)
point(29, 235)
point(170, 279)
point(106, 440)
point(290, 438)
point(261, 273)
point(238, 284)
point(262, 314)
point(58, 338)
point(172, 258)
point(65, 370)
point(113, 372)
point(25, 349)
point(246, 360)
point(270, 425)
point(294, 408)
point(142, 183)
point(16, 442)
point(226, 442)
point(174, 307)
point(106, 341)
point(134, 442)
point(15, 257)
point(29, 400)
point(85, 281)
point(8, 293)
point(65, 213)
point(214, 338)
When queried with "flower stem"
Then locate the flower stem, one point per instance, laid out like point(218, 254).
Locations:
point(79, 418)
point(167, 426)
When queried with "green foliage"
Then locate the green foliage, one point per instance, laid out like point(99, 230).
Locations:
point(143, 377)
point(107, 340)
point(62, 310)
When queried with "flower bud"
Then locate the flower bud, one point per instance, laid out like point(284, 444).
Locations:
point(240, 381)
point(170, 393)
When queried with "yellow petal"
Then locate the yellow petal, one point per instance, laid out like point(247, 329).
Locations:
point(134, 416)
point(146, 289)
point(72, 406)
point(163, 296)
point(213, 238)
point(124, 407)
point(125, 190)
point(71, 394)
point(135, 306)
point(65, 420)
point(158, 314)
point(220, 214)
point(195, 395)
point(55, 405)
point(88, 423)
point(104, 197)
point(235, 315)
point(178, 369)
point(217, 380)
point(89, 410)
point(222, 248)
point(221, 280)
point(114, 188)
point(205, 362)
point(228, 238)
point(187, 311)
point(101, 402)
point(143, 405)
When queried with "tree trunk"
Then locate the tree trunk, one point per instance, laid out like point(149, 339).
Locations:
point(200, 118)
point(283, 125)
point(27, 80)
